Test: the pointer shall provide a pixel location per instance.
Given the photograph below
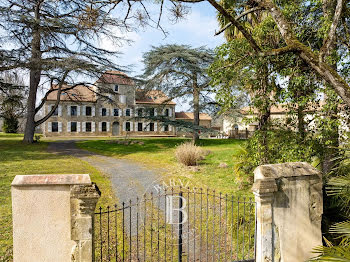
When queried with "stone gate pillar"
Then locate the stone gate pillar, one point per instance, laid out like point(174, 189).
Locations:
point(289, 208)
point(53, 217)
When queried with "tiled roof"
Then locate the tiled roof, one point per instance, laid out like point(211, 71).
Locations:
point(152, 97)
point(282, 108)
point(190, 116)
point(115, 77)
point(78, 94)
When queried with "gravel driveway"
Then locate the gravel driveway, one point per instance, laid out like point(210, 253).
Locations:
point(129, 179)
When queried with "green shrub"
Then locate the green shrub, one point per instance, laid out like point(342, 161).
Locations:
point(282, 146)
point(189, 154)
point(37, 138)
point(10, 125)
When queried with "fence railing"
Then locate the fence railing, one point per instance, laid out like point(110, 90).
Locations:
point(180, 224)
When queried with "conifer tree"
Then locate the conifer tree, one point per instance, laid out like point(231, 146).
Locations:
point(180, 71)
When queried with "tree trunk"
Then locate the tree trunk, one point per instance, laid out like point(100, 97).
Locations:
point(301, 122)
point(35, 75)
point(195, 112)
point(30, 123)
point(332, 135)
point(264, 115)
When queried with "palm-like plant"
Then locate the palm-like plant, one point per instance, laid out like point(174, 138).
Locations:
point(339, 187)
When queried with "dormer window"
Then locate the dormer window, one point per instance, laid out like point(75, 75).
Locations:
point(116, 88)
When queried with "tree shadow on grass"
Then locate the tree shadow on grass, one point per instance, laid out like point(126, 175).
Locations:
point(110, 147)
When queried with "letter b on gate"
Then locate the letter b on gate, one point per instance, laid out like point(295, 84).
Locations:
point(171, 213)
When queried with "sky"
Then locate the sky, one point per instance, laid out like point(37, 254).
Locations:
point(197, 29)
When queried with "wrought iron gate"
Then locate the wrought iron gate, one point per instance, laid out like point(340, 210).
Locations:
point(177, 225)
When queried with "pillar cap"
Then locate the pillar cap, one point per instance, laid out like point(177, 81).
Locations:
point(291, 169)
point(35, 180)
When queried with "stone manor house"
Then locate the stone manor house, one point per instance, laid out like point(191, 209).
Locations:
point(112, 108)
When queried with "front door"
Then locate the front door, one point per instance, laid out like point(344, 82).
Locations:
point(115, 129)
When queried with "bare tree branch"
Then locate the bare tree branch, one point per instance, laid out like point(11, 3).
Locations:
point(328, 42)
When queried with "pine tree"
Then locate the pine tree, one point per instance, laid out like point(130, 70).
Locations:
point(181, 72)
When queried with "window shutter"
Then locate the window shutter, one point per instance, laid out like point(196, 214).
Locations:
point(131, 126)
point(93, 127)
point(120, 112)
point(68, 110)
point(170, 128)
point(60, 111)
point(170, 112)
point(93, 111)
point(131, 112)
point(49, 127)
point(155, 111)
point(155, 127)
point(59, 127)
point(124, 123)
point(78, 127)
point(84, 127)
point(84, 110)
point(107, 126)
point(163, 128)
point(124, 113)
point(78, 110)
point(107, 112)
point(100, 126)
point(148, 126)
point(100, 111)
point(68, 127)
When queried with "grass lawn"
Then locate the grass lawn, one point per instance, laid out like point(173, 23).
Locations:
point(21, 159)
point(159, 153)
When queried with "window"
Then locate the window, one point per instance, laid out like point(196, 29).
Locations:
point(127, 112)
point(73, 126)
point(73, 111)
point(88, 111)
point(139, 127)
point(55, 113)
point(151, 127)
point(116, 112)
point(104, 112)
point(151, 112)
point(54, 126)
point(116, 88)
point(167, 112)
point(88, 126)
point(127, 126)
point(104, 126)
point(166, 128)
point(139, 112)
